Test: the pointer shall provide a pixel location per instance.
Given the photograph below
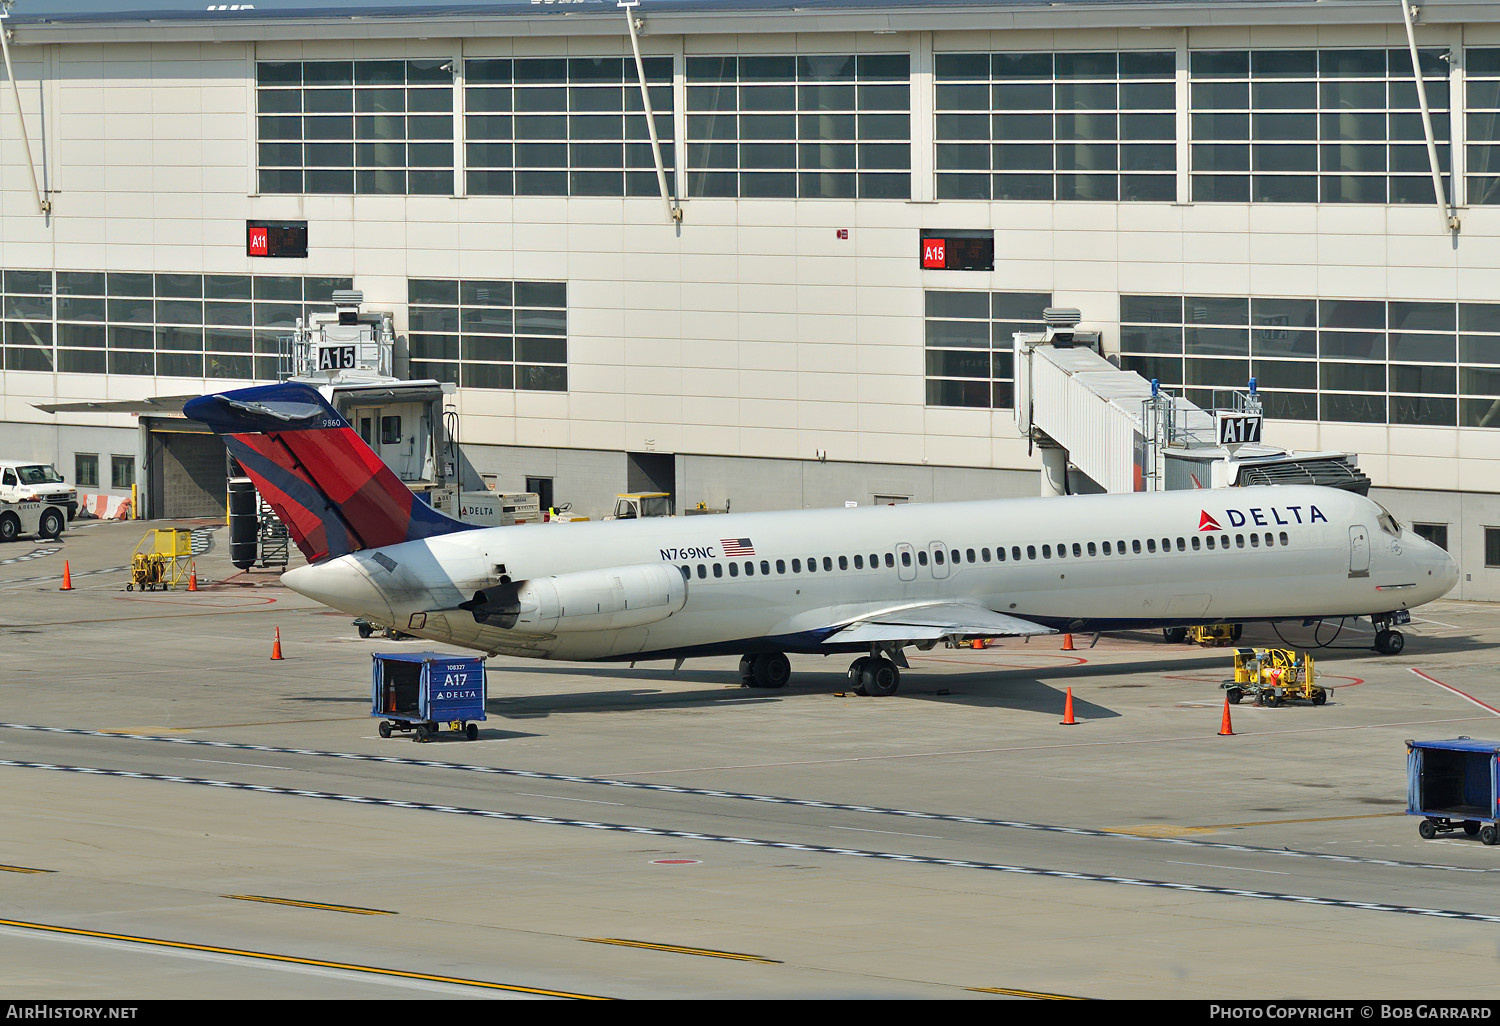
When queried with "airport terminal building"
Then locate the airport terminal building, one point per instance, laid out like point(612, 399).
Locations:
point(1224, 189)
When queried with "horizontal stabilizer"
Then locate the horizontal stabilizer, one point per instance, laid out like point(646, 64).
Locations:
point(935, 620)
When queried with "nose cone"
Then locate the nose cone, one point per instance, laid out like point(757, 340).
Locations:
point(1447, 571)
point(342, 584)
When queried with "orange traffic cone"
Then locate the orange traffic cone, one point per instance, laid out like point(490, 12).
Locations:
point(193, 576)
point(1226, 729)
point(977, 643)
point(67, 584)
point(1067, 643)
point(276, 648)
point(1067, 720)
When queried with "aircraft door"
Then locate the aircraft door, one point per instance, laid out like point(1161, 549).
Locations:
point(937, 554)
point(1359, 551)
point(906, 562)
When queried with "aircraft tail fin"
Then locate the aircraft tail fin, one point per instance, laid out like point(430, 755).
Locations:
point(332, 491)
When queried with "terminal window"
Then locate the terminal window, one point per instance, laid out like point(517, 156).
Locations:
point(809, 126)
point(156, 324)
point(489, 334)
point(121, 471)
point(1056, 126)
point(576, 126)
point(969, 346)
point(1315, 126)
point(355, 127)
point(86, 469)
point(1369, 361)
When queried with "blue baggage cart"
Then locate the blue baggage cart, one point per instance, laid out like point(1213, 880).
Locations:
point(1454, 785)
point(420, 691)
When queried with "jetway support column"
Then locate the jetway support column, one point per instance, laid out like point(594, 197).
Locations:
point(1054, 468)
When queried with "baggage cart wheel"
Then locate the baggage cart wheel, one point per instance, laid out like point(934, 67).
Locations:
point(1488, 834)
point(385, 728)
point(472, 731)
point(422, 734)
point(1471, 827)
point(1234, 695)
point(1270, 699)
point(1428, 829)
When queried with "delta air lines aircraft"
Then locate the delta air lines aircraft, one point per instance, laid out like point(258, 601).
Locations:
point(869, 581)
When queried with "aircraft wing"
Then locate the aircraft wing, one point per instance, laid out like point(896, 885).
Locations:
point(934, 620)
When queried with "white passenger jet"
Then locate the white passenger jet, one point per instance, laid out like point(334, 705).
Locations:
point(870, 581)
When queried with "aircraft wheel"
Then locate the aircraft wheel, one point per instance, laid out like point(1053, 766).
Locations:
point(857, 675)
point(770, 670)
point(1174, 635)
point(1428, 829)
point(881, 677)
point(1389, 642)
point(747, 670)
point(1239, 629)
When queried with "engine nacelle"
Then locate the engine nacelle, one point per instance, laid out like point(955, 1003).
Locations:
point(588, 600)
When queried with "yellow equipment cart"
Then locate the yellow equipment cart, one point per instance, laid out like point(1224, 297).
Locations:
point(161, 559)
point(1275, 675)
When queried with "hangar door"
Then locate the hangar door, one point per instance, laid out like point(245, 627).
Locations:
point(187, 473)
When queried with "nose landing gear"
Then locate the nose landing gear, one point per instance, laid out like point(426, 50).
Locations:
point(1389, 641)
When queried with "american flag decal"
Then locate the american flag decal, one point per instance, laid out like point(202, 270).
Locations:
point(737, 547)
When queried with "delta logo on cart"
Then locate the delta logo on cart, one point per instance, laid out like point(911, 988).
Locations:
point(1263, 516)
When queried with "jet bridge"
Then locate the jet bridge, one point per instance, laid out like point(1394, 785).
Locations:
point(1127, 434)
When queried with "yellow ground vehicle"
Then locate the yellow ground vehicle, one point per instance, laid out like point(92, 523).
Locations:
point(1214, 635)
point(1275, 675)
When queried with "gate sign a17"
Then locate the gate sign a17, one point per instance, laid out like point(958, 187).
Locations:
point(1238, 428)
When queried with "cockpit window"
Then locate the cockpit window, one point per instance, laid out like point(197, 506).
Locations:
point(1388, 523)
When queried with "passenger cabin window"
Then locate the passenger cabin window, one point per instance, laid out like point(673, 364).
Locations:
point(969, 554)
point(999, 554)
point(1135, 546)
point(844, 562)
point(984, 554)
point(922, 557)
point(734, 569)
point(1284, 539)
point(1181, 544)
point(1239, 541)
point(812, 564)
point(1030, 552)
point(1255, 541)
point(686, 572)
point(1106, 548)
point(937, 556)
point(702, 571)
point(890, 560)
point(859, 562)
point(781, 566)
point(1197, 543)
point(718, 570)
point(1150, 544)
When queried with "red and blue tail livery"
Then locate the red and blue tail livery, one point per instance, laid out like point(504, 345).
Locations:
point(334, 494)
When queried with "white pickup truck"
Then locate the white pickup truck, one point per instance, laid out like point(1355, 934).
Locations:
point(27, 479)
point(32, 516)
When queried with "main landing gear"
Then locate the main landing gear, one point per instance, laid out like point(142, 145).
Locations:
point(766, 670)
point(874, 675)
